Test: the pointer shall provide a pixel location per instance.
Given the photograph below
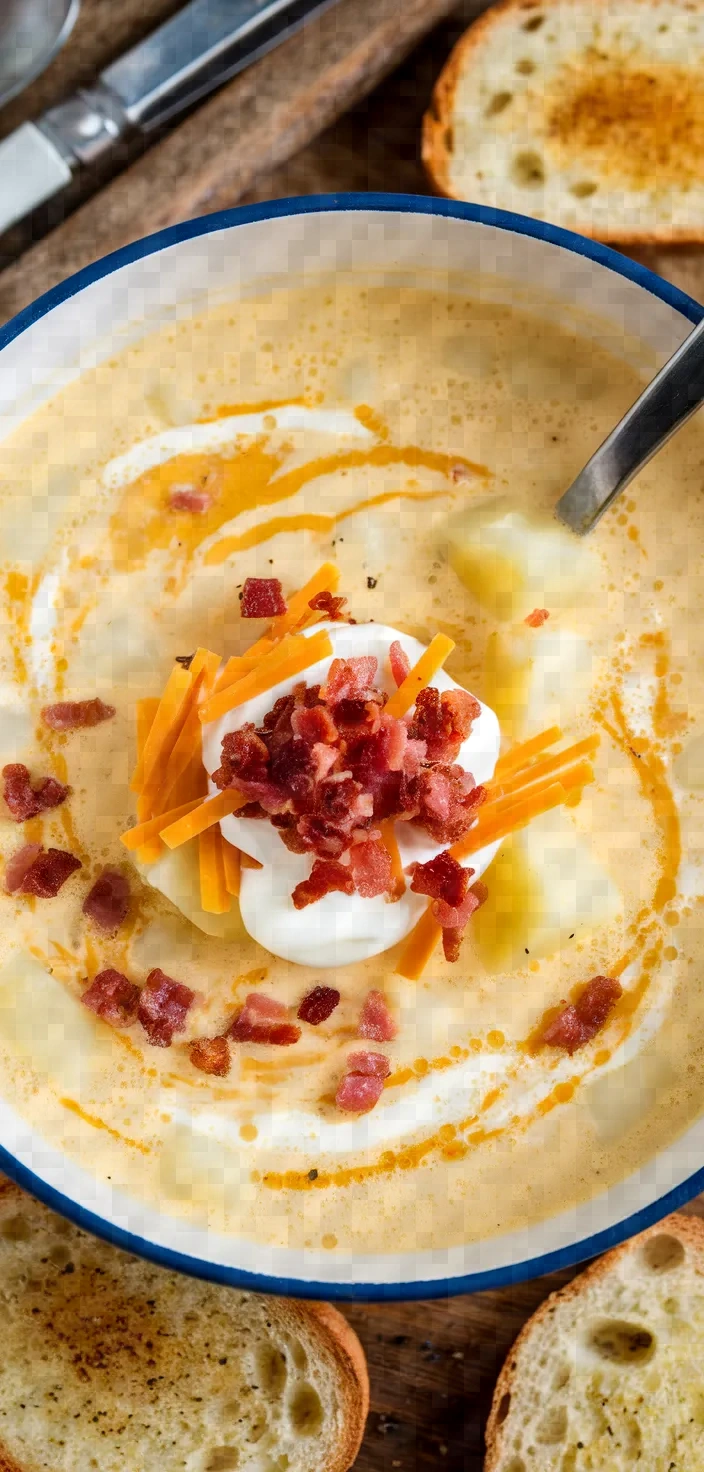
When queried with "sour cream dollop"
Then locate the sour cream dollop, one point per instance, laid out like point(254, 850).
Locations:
point(339, 929)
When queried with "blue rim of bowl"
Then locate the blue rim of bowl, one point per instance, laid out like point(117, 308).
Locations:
point(196, 1267)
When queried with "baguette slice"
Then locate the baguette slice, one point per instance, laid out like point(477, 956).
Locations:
point(110, 1363)
point(581, 112)
point(608, 1373)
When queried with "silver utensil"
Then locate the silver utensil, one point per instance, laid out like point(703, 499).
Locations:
point(199, 48)
point(31, 33)
point(675, 393)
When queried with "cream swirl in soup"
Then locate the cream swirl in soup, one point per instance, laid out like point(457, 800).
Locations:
point(415, 442)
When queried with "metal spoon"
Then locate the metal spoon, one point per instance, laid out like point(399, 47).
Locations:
point(674, 395)
point(31, 33)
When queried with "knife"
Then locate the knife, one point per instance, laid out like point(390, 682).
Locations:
point(182, 61)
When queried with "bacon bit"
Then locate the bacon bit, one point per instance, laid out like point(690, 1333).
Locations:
point(25, 801)
point(370, 863)
point(537, 618)
point(112, 997)
point(357, 1093)
point(325, 603)
point(460, 473)
point(19, 864)
point(48, 873)
point(314, 724)
point(443, 721)
point(211, 1055)
point(375, 1020)
point(74, 715)
point(318, 1005)
point(454, 919)
point(262, 598)
point(163, 1007)
point(108, 901)
point(263, 1020)
point(326, 877)
point(350, 679)
point(580, 1021)
point(323, 759)
point(442, 878)
point(187, 498)
point(399, 661)
point(244, 758)
point(375, 1065)
point(447, 801)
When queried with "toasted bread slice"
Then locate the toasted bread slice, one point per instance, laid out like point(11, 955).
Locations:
point(581, 112)
point(607, 1375)
point(110, 1363)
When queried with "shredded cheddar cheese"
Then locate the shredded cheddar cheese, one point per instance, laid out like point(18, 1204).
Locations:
point(274, 668)
point(518, 756)
point(418, 947)
point(420, 676)
point(232, 867)
point(146, 831)
point(201, 817)
point(214, 895)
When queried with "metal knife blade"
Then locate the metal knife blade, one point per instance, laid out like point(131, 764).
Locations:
point(201, 47)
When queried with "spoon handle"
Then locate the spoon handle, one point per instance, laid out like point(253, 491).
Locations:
point(673, 396)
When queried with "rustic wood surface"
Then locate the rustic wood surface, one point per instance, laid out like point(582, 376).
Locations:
point(433, 1365)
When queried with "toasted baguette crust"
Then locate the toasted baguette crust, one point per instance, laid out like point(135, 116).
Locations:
point(438, 127)
point(321, 1328)
point(688, 1230)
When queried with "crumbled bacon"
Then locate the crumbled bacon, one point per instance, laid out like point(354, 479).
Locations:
point(350, 679)
point(362, 1085)
point(211, 1055)
point(326, 877)
point(164, 1005)
point(263, 1020)
point(453, 919)
point(580, 1021)
point(108, 901)
point(188, 498)
point(74, 715)
point(19, 864)
point(370, 862)
point(447, 800)
point(47, 874)
point(328, 763)
point(399, 661)
point(244, 755)
point(357, 1093)
point(262, 598)
point(375, 1064)
point(25, 801)
point(314, 725)
point(318, 1005)
point(443, 721)
point(442, 878)
point(375, 1020)
point(112, 997)
point(537, 618)
point(325, 603)
point(323, 759)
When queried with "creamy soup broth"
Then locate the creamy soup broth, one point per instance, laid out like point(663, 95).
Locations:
point(476, 1132)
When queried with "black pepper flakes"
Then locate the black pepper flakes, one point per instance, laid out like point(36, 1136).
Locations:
point(372, 582)
point(312, 1175)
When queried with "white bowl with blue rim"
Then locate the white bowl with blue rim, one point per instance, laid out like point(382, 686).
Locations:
point(175, 273)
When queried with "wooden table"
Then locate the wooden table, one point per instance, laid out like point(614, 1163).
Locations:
point(433, 1365)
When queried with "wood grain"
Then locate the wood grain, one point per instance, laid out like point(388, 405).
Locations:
point(253, 124)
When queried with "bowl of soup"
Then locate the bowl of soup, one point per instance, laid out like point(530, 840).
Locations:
point(351, 834)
